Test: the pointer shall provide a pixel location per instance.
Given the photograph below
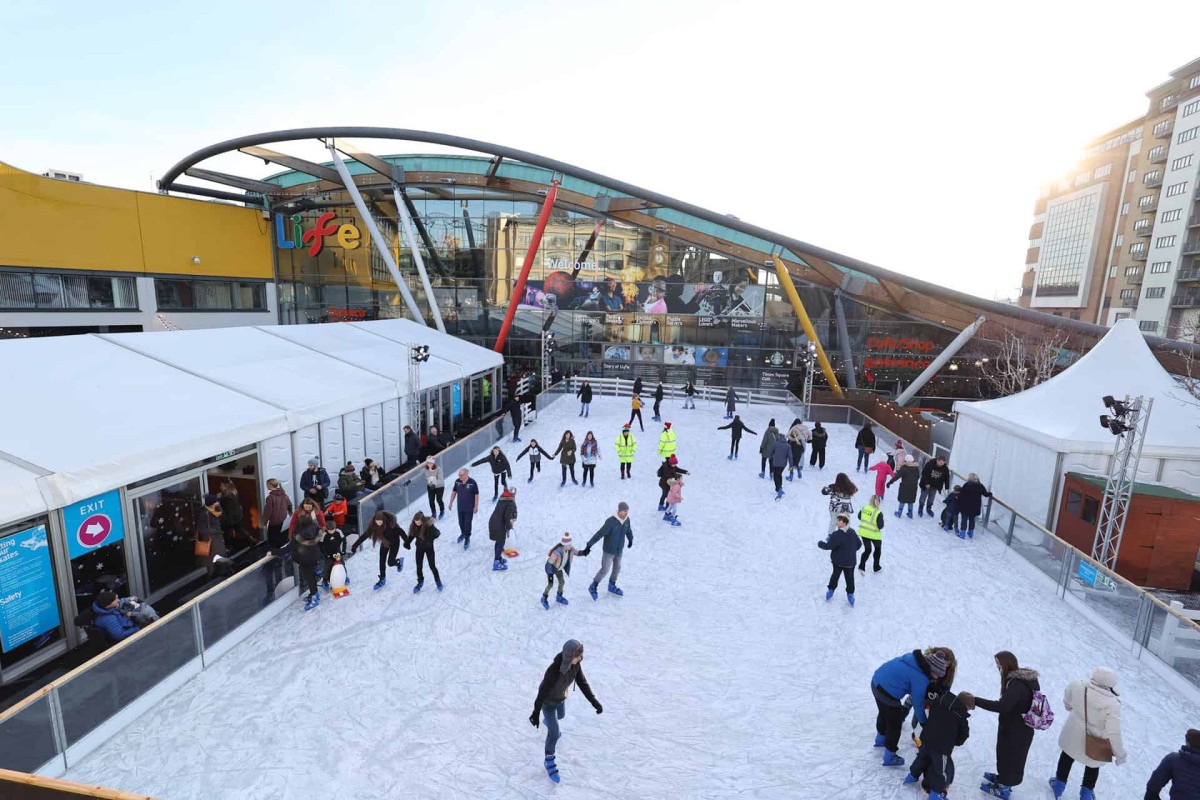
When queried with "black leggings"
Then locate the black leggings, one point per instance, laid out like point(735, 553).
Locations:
point(1090, 774)
point(436, 495)
point(421, 556)
point(566, 467)
point(498, 549)
point(657, 403)
point(637, 414)
point(308, 577)
point(777, 475)
point(534, 464)
point(502, 478)
point(626, 469)
point(733, 446)
point(589, 474)
point(868, 545)
point(388, 553)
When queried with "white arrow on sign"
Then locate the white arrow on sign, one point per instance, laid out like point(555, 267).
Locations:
point(94, 529)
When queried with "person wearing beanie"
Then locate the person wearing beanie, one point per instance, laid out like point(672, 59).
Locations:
point(819, 438)
point(615, 532)
point(626, 447)
point(909, 476)
point(666, 441)
point(667, 471)
point(658, 398)
point(558, 566)
point(842, 544)
point(565, 671)
point(499, 524)
point(947, 728)
point(1096, 710)
point(674, 498)
point(797, 436)
point(908, 675)
point(765, 446)
point(314, 482)
point(1180, 769)
point(108, 619)
point(735, 428)
point(1013, 736)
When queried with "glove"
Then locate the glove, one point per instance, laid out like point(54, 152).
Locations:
point(408, 545)
point(630, 545)
point(533, 720)
point(587, 551)
point(1120, 759)
point(600, 710)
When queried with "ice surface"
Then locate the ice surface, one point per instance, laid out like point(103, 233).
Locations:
point(723, 672)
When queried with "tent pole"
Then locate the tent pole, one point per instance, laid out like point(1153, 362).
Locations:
point(951, 350)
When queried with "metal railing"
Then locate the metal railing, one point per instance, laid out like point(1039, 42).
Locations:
point(60, 723)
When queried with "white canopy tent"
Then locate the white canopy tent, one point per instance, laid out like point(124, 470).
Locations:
point(1023, 444)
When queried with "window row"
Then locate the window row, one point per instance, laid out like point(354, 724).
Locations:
point(1155, 292)
point(1148, 326)
point(1172, 215)
point(1188, 135)
point(1164, 241)
point(177, 294)
point(1176, 189)
point(1181, 162)
point(1159, 267)
point(37, 290)
point(1191, 108)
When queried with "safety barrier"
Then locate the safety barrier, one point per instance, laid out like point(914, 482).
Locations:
point(617, 387)
point(23, 786)
point(1174, 638)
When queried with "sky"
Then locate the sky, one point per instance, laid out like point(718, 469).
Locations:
point(911, 136)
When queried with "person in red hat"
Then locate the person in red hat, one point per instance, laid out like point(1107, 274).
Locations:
point(666, 441)
point(667, 471)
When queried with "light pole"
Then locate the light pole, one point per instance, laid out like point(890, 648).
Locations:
point(418, 354)
point(1127, 421)
point(808, 379)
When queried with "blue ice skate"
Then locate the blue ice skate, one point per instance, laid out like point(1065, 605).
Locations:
point(779, 495)
point(545, 602)
point(612, 589)
point(890, 759)
point(910, 778)
point(592, 591)
point(828, 595)
point(314, 600)
point(666, 516)
point(880, 739)
point(379, 584)
point(675, 523)
point(552, 769)
point(762, 475)
point(499, 566)
point(1056, 786)
point(400, 564)
point(440, 586)
point(562, 601)
point(850, 597)
point(417, 588)
point(998, 790)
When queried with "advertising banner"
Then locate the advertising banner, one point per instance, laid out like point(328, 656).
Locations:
point(28, 600)
point(456, 400)
point(93, 523)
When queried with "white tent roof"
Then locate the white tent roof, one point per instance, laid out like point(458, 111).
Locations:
point(19, 493)
point(470, 358)
point(1064, 412)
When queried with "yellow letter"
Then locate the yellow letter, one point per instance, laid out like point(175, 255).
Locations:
point(348, 237)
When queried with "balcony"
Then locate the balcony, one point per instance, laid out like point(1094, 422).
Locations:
point(1188, 299)
point(1191, 248)
point(1194, 222)
point(1139, 256)
point(1188, 275)
point(1159, 157)
point(1152, 181)
point(1129, 302)
point(1163, 130)
point(1134, 280)
point(1143, 230)
point(1148, 206)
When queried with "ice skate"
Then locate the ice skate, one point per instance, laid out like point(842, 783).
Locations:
point(562, 600)
point(314, 600)
point(545, 602)
point(880, 739)
point(417, 588)
point(850, 598)
point(890, 759)
point(379, 584)
point(592, 591)
point(612, 589)
point(552, 769)
point(1056, 786)
point(997, 790)
point(499, 566)
point(828, 595)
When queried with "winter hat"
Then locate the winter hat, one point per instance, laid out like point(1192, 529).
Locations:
point(937, 664)
point(430, 460)
point(909, 460)
point(571, 649)
point(667, 425)
point(673, 460)
point(1105, 677)
point(211, 499)
point(566, 538)
point(622, 506)
point(624, 427)
point(771, 424)
point(312, 462)
point(105, 598)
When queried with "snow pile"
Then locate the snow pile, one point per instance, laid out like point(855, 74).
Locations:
point(723, 672)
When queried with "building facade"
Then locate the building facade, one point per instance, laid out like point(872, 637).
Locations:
point(1119, 236)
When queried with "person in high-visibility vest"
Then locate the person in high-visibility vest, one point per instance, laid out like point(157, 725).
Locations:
point(870, 527)
point(666, 441)
point(626, 446)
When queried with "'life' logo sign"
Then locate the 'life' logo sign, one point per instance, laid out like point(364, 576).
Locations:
point(348, 236)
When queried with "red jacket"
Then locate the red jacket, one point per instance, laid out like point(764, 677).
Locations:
point(882, 473)
point(339, 510)
point(276, 507)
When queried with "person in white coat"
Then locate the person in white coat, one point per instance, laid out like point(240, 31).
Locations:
point(1098, 700)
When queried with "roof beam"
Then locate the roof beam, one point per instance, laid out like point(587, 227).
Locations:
point(247, 184)
point(389, 171)
point(291, 162)
point(494, 167)
point(216, 194)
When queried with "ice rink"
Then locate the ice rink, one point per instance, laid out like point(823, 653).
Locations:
point(723, 672)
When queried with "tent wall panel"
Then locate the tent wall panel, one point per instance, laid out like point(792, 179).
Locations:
point(373, 433)
point(306, 444)
point(275, 457)
point(1182, 475)
point(1020, 472)
point(352, 434)
point(391, 435)
point(333, 453)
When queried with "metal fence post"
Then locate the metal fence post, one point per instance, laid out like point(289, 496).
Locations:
point(1012, 524)
point(198, 628)
point(58, 725)
point(1064, 575)
point(987, 512)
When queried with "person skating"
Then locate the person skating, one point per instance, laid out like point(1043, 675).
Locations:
point(909, 476)
point(1013, 735)
point(585, 399)
point(897, 454)
point(558, 567)
point(658, 398)
point(839, 493)
point(666, 441)
point(615, 532)
point(950, 512)
point(797, 435)
point(735, 429)
point(565, 671)
point(908, 675)
point(499, 524)
point(779, 457)
point(730, 403)
point(565, 453)
point(689, 395)
point(666, 471)
point(589, 454)
point(501, 469)
point(516, 415)
point(1095, 711)
point(842, 544)
point(935, 478)
point(306, 553)
point(385, 532)
point(637, 386)
point(435, 488)
point(332, 545)
point(422, 532)
point(870, 527)
point(820, 438)
point(765, 446)
point(674, 498)
point(635, 403)
point(1180, 769)
point(883, 472)
point(865, 444)
point(970, 505)
point(948, 727)
point(535, 457)
point(466, 492)
point(626, 447)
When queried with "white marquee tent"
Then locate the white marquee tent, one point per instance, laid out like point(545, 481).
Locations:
point(1023, 444)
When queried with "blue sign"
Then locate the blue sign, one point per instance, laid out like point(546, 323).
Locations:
point(93, 523)
point(1086, 573)
point(456, 400)
point(28, 601)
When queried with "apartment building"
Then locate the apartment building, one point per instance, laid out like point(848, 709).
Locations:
point(1120, 235)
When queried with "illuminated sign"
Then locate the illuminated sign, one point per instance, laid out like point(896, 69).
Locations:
point(348, 236)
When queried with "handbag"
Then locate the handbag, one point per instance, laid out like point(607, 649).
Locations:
point(203, 548)
point(868, 449)
point(1097, 748)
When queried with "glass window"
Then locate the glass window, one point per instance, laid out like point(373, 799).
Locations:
point(1124, 209)
point(1172, 215)
point(167, 521)
point(252, 296)
point(1176, 189)
point(1187, 136)
point(1120, 239)
point(213, 295)
point(48, 290)
point(1147, 326)
point(1182, 162)
point(1155, 292)
point(1156, 152)
point(16, 290)
point(1159, 267)
point(1195, 81)
point(1103, 171)
point(1191, 108)
point(171, 294)
point(1128, 294)
point(1091, 509)
point(1066, 243)
point(1164, 241)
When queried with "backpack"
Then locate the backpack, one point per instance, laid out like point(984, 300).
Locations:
point(1039, 716)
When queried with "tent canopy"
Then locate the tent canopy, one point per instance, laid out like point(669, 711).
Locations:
point(1064, 412)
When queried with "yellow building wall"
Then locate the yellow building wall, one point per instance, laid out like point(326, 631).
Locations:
point(57, 225)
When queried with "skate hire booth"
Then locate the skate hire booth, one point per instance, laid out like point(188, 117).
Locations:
point(107, 457)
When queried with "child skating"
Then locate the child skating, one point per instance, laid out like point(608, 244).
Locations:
point(842, 544)
point(674, 498)
point(558, 567)
point(946, 727)
point(332, 545)
point(535, 457)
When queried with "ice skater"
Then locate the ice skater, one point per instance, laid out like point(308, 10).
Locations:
point(842, 544)
point(1094, 706)
point(466, 492)
point(565, 671)
point(516, 415)
point(820, 437)
point(935, 479)
point(870, 528)
point(499, 524)
point(970, 505)
point(797, 435)
point(626, 447)
point(585, 399)
point(307, 555)
point(909, 476)
point(764, 447)
point(839, 493)
point(666, 471)
point(635, 403)
point(950, 512)
point(667, 443)
point(1013, 735)
point(658, 398)
point(948, 727)
point(535, 457)
point(615, 532)
point(908, 675)
point(565, 453)
point(730, 403)
point(865, 444)
point(883, 472)
point(674, 498)
point(689, 395)
point(735, 429)
point(589, 454)
point(780, 456)
point(501, 469)
point(332, 545)
point(385, 533)
point(435, 488)
point(423, 532)
point(558, 567)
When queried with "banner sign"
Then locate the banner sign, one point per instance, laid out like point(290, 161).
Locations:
point(93, 523)
point(28, 600)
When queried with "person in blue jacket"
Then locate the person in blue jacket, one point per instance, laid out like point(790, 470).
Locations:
point(1181, 770)
point(615, 531)
point(909, 675)
point(108, 619)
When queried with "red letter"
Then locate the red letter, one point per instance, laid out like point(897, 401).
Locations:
point(317, 235)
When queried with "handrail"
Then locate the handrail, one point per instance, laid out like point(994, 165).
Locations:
point(68, 787)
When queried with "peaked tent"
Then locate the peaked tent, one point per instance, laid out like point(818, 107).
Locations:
point(1023, 444)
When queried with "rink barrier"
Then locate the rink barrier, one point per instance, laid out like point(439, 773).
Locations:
point(1134, 616)
point(61, 723)
point(22, 786)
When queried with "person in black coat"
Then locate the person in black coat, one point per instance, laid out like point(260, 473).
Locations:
point(935, 478)
point(1013, 737)
point(500, 523)
point(501, 469)
point(666, 471)
point(842, 545)
point(412, 449)
point(658, 398)
point(386, 534)
point(820, 437)
point(970, 504)
point(736, 428)
point(909, 476)
point(1181, 770)
point(585, 399)
point(637, 386)
point(423, 532)
point(865, 444)
point(565, 671)
point(514, 413)
point(689, 395)
point(435, 442)
point(947, 727)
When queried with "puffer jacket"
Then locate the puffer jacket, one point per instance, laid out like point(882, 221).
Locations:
point(112, 623)
point(1182, 770)
point(780, 453)
point(799, 433)
point(1103, 719)
point(907, 675)
point(768, 441)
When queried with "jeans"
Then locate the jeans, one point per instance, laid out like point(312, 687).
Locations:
point(465, 518)
point(734, 444)
point(868, 546)
point(864, 460)
point(900, 509)
point(551, 714)
point(609, 561)
point(1090, 774)
point(589, 474)
point(421, 556)
point(584, 408)
point(657, 403)
point(889, 719)
point(967, 522)
point(566, 467)
point(838, 572)
point(925, 501)
point(689, 402)
point(535, 463)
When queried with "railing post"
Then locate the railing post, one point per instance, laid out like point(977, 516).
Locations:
point(987, 512)
point(58, 725)
point(198, 629)
point(1064, 575)
point(1012, 524)
point(1141, 628)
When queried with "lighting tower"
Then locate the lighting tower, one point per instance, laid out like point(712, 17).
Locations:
point(811, 365)
point(1127, 421)
point(418, 354)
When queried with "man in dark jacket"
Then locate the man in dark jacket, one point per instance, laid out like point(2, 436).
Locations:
point(735, 429)
point(842, 545)
point(820, 437)
point(658, 398)
point(865, 444)
point(514, 413)
point(1181, 770)
point(500, 523)
point(585, 399)
point(434, 443)
point(108, 619)
point(276, 509)
point(412, 449)
point(315, 482)
point(947, 728)
point(565, 671)
point(935, 478)
point(615, 531)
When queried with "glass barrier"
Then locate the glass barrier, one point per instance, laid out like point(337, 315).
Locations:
point(27, 737)
point(1175, 641)
point(241, 597)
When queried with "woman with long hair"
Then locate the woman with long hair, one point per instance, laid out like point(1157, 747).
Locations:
point(565, 452)
point(422, 531)
point(865, 444)
point(435, 488)
point(589, 453)
point(385, 532)
point(231, 511)
point(1013, 737)
point(839, 493)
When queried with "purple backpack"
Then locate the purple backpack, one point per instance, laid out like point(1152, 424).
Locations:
point(1039, 716)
